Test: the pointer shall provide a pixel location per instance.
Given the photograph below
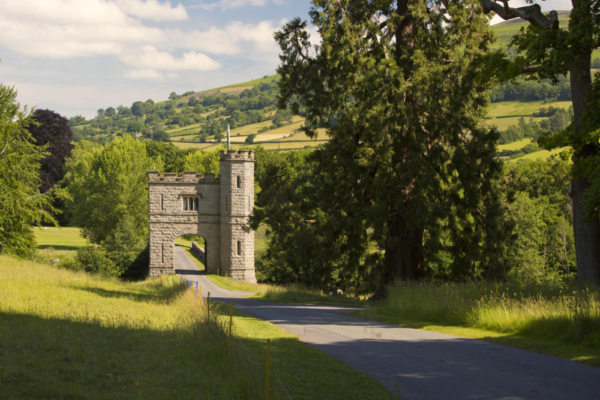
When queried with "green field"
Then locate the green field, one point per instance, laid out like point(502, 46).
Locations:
point(518, 108)
point(514, 145)
point(53, 242)
point(542, 154)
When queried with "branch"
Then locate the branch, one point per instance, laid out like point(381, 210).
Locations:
point(530, 69)
point(4, 149)
point(532, 13)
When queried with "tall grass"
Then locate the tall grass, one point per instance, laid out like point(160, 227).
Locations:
point(65, 334)
point(561, 314)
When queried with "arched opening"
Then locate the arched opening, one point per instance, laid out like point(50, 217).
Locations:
point(194, 247)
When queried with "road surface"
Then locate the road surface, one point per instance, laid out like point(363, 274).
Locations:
point(417, 364)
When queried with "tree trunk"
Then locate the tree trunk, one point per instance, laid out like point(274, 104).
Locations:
point(587, 238)
point(403, 254)
point(587, 234)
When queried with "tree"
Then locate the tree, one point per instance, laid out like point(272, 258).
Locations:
point(173, 96)
point(250, 138)
point(547, 51)
point(110, 112)
point(203, 162)
point(400, 88)
point(138, 109)
point(21, 203)
point(100, 113)
point(105, 185)
point(161, 136)
point(52, 131)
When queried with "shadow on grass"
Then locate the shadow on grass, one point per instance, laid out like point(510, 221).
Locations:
point(43, 358)
point(56, 358)
point(59, 247)
point(160, 294)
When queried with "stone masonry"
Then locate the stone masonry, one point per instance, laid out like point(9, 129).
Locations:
point(215, 208)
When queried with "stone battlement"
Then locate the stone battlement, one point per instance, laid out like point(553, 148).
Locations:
point(184, 177)
point(241, 155)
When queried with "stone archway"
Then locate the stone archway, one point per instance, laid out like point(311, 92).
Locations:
point(214, 208)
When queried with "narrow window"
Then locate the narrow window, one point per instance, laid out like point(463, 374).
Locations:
point(162, 202)
point(196, 203)
point(162, 252)
point(239, 248)
point(239, 181)
point(185, 203)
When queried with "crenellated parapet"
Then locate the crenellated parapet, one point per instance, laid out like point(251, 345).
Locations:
point(184, 177)
point(237, 155)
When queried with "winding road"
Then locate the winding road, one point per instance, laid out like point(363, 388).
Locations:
point(417, 364)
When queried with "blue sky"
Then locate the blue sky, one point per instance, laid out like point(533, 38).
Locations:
point(76, 56)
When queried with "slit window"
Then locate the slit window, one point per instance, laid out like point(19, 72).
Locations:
point(239, 182)
point(190, 203)
point(239, 248)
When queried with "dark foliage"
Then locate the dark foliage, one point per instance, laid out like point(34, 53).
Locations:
point(52, 129)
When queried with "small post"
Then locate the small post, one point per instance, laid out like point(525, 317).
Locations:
point(208, 305)
point(230, 322)
point(218, 272)
point(496, 292)
point(321, 292)
point(267, 378)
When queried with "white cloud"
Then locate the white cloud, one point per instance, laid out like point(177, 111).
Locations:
point(236, 38)
point(229, 4)
point(152, 9)
point(147, 74)
point(150, 58)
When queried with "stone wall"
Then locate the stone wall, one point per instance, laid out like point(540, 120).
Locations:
point(221, 217)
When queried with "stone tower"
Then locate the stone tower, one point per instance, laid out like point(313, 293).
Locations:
point(216, 209)
point(237, 202)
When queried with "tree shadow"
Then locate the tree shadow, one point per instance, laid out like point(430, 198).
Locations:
point(48, 358)
point(58, 247)
point(161, 294)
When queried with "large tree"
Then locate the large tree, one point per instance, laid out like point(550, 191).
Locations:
point(21, 203)
point(547, 50)
point(401, 88)
point(52, 130)
point(105, 189)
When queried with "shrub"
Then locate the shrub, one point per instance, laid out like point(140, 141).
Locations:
point(90, 259)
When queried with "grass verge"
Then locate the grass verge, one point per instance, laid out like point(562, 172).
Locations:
point(284, 294)
point(564, 323)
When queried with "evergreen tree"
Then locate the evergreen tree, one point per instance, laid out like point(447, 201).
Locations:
point(400, 87)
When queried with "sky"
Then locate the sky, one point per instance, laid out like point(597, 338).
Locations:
point(77, 56)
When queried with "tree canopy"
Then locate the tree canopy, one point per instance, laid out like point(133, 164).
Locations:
point(21, 203)
point(400, 87)
point(53, 131)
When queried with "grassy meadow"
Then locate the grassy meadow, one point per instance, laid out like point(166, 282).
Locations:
point(74, 335)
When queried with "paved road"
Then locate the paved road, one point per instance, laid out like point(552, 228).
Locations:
point(420, 365)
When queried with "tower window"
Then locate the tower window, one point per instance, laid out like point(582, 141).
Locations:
point(239, 181)
point(190, 203)
point(239, 248)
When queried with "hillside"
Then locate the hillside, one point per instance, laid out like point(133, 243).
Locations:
point(198, 120)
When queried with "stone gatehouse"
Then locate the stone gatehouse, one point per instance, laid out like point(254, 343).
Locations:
point(215, 208)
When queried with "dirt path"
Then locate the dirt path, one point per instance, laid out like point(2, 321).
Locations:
point(418, 364)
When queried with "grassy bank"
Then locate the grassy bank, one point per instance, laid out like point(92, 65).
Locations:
point(556, 321)
point(66, 334)
point(284, 294)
